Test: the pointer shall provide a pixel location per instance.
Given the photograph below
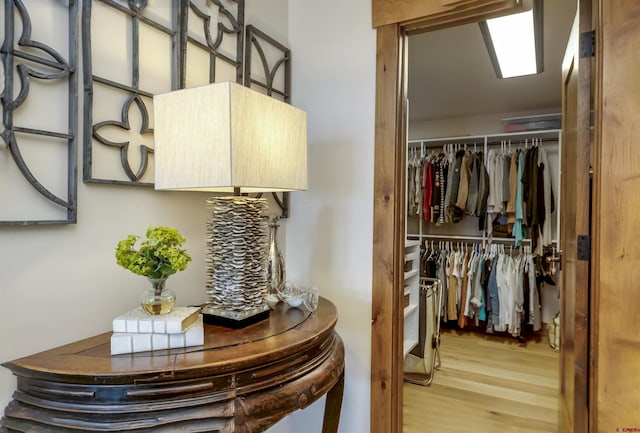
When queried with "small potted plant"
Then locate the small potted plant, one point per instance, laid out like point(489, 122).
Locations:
point(157, 257)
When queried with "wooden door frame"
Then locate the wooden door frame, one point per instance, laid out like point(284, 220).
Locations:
point(393, 25)
point(575, 294)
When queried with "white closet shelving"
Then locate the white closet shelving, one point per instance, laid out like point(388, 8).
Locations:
point(411, 294)
point(467, 230)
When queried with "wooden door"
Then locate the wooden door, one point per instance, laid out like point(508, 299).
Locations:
point(574, 225)
point(615, 327)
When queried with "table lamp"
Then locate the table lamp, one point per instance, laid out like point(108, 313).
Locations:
point(224, 137)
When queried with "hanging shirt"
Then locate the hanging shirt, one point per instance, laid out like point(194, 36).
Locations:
point(485, 309)
point(474, 183)
point(518, 229)
point(436, 190)
point(505, 187)
point(463, 188)
point(494, 318)
point(513, 187)
point(452, 290)
point(411, 207)
point(548, 200)
point(472, 267)
point(517, 311)
point(476, 303)
point(503, 272)
point(442, 276)
point(427, 179)
point(483, 192)
point(442, 176)
point(454, 185)
point(534, 298)
point(451, 170)
point(491, 197)
point(462, 319)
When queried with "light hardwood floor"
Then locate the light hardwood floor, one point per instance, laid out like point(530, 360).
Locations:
point(487, 385)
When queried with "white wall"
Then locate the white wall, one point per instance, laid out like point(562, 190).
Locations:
point(61, 283)
point(329, 237)
point(470, 125)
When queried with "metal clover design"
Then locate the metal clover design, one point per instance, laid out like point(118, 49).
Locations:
point(124, 145)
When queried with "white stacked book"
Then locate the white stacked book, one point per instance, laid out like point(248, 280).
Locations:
point(137, 331)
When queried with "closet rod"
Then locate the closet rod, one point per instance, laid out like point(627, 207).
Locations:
point(453, 237)
point(465, 238)
point(514, 141)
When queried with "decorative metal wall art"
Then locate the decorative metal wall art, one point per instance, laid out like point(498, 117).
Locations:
point(268, 70)
point(272, 74)
point(173, 44)
point(220, 42)
point(38, 161)
point(156, 47)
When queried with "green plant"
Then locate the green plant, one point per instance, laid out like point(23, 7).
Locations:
point(156, 257)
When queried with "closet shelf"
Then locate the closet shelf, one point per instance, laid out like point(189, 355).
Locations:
point(489, 139)
point(409, 243)
point(411, 293)
point(412, 256)
point(408, 346)
point(409, 309)
point(410, 274)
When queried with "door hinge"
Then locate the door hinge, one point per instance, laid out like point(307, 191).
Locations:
point(584, 247)
point(587, 44)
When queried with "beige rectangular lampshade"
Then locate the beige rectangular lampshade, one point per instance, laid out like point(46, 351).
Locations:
point(224, 135)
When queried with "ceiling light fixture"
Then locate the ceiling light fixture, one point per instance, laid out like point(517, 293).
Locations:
point(515, 42)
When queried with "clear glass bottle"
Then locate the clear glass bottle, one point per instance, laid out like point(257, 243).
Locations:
point(276, 274)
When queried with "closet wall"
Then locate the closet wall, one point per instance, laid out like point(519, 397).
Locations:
point(480, 123)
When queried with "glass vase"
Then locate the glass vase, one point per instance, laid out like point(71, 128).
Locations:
point(158, 299)
point(276, 275)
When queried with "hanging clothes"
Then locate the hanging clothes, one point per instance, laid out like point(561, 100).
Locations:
point(518, 229)
point(452, 289)
point(492, 197)
point(460, 206)
point(548, 201)
point(413, 184)
point(443, 170)
point(513, 189)
point(474, 186)
point(483, 192)
point(451, 171)
point(453, 186)
point(427, 188)
point(435, 189)
point(462, 290)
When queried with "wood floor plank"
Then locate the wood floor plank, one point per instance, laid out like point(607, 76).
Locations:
point(487, 384)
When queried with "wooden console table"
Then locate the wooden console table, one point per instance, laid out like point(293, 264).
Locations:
point(239, 381)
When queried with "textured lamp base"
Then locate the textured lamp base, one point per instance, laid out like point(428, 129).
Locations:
point(213, 315)
point(236, 257)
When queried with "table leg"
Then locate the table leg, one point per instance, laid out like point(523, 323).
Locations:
point(333, 406)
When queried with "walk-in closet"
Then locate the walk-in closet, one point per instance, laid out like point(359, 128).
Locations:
point(482, 281)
